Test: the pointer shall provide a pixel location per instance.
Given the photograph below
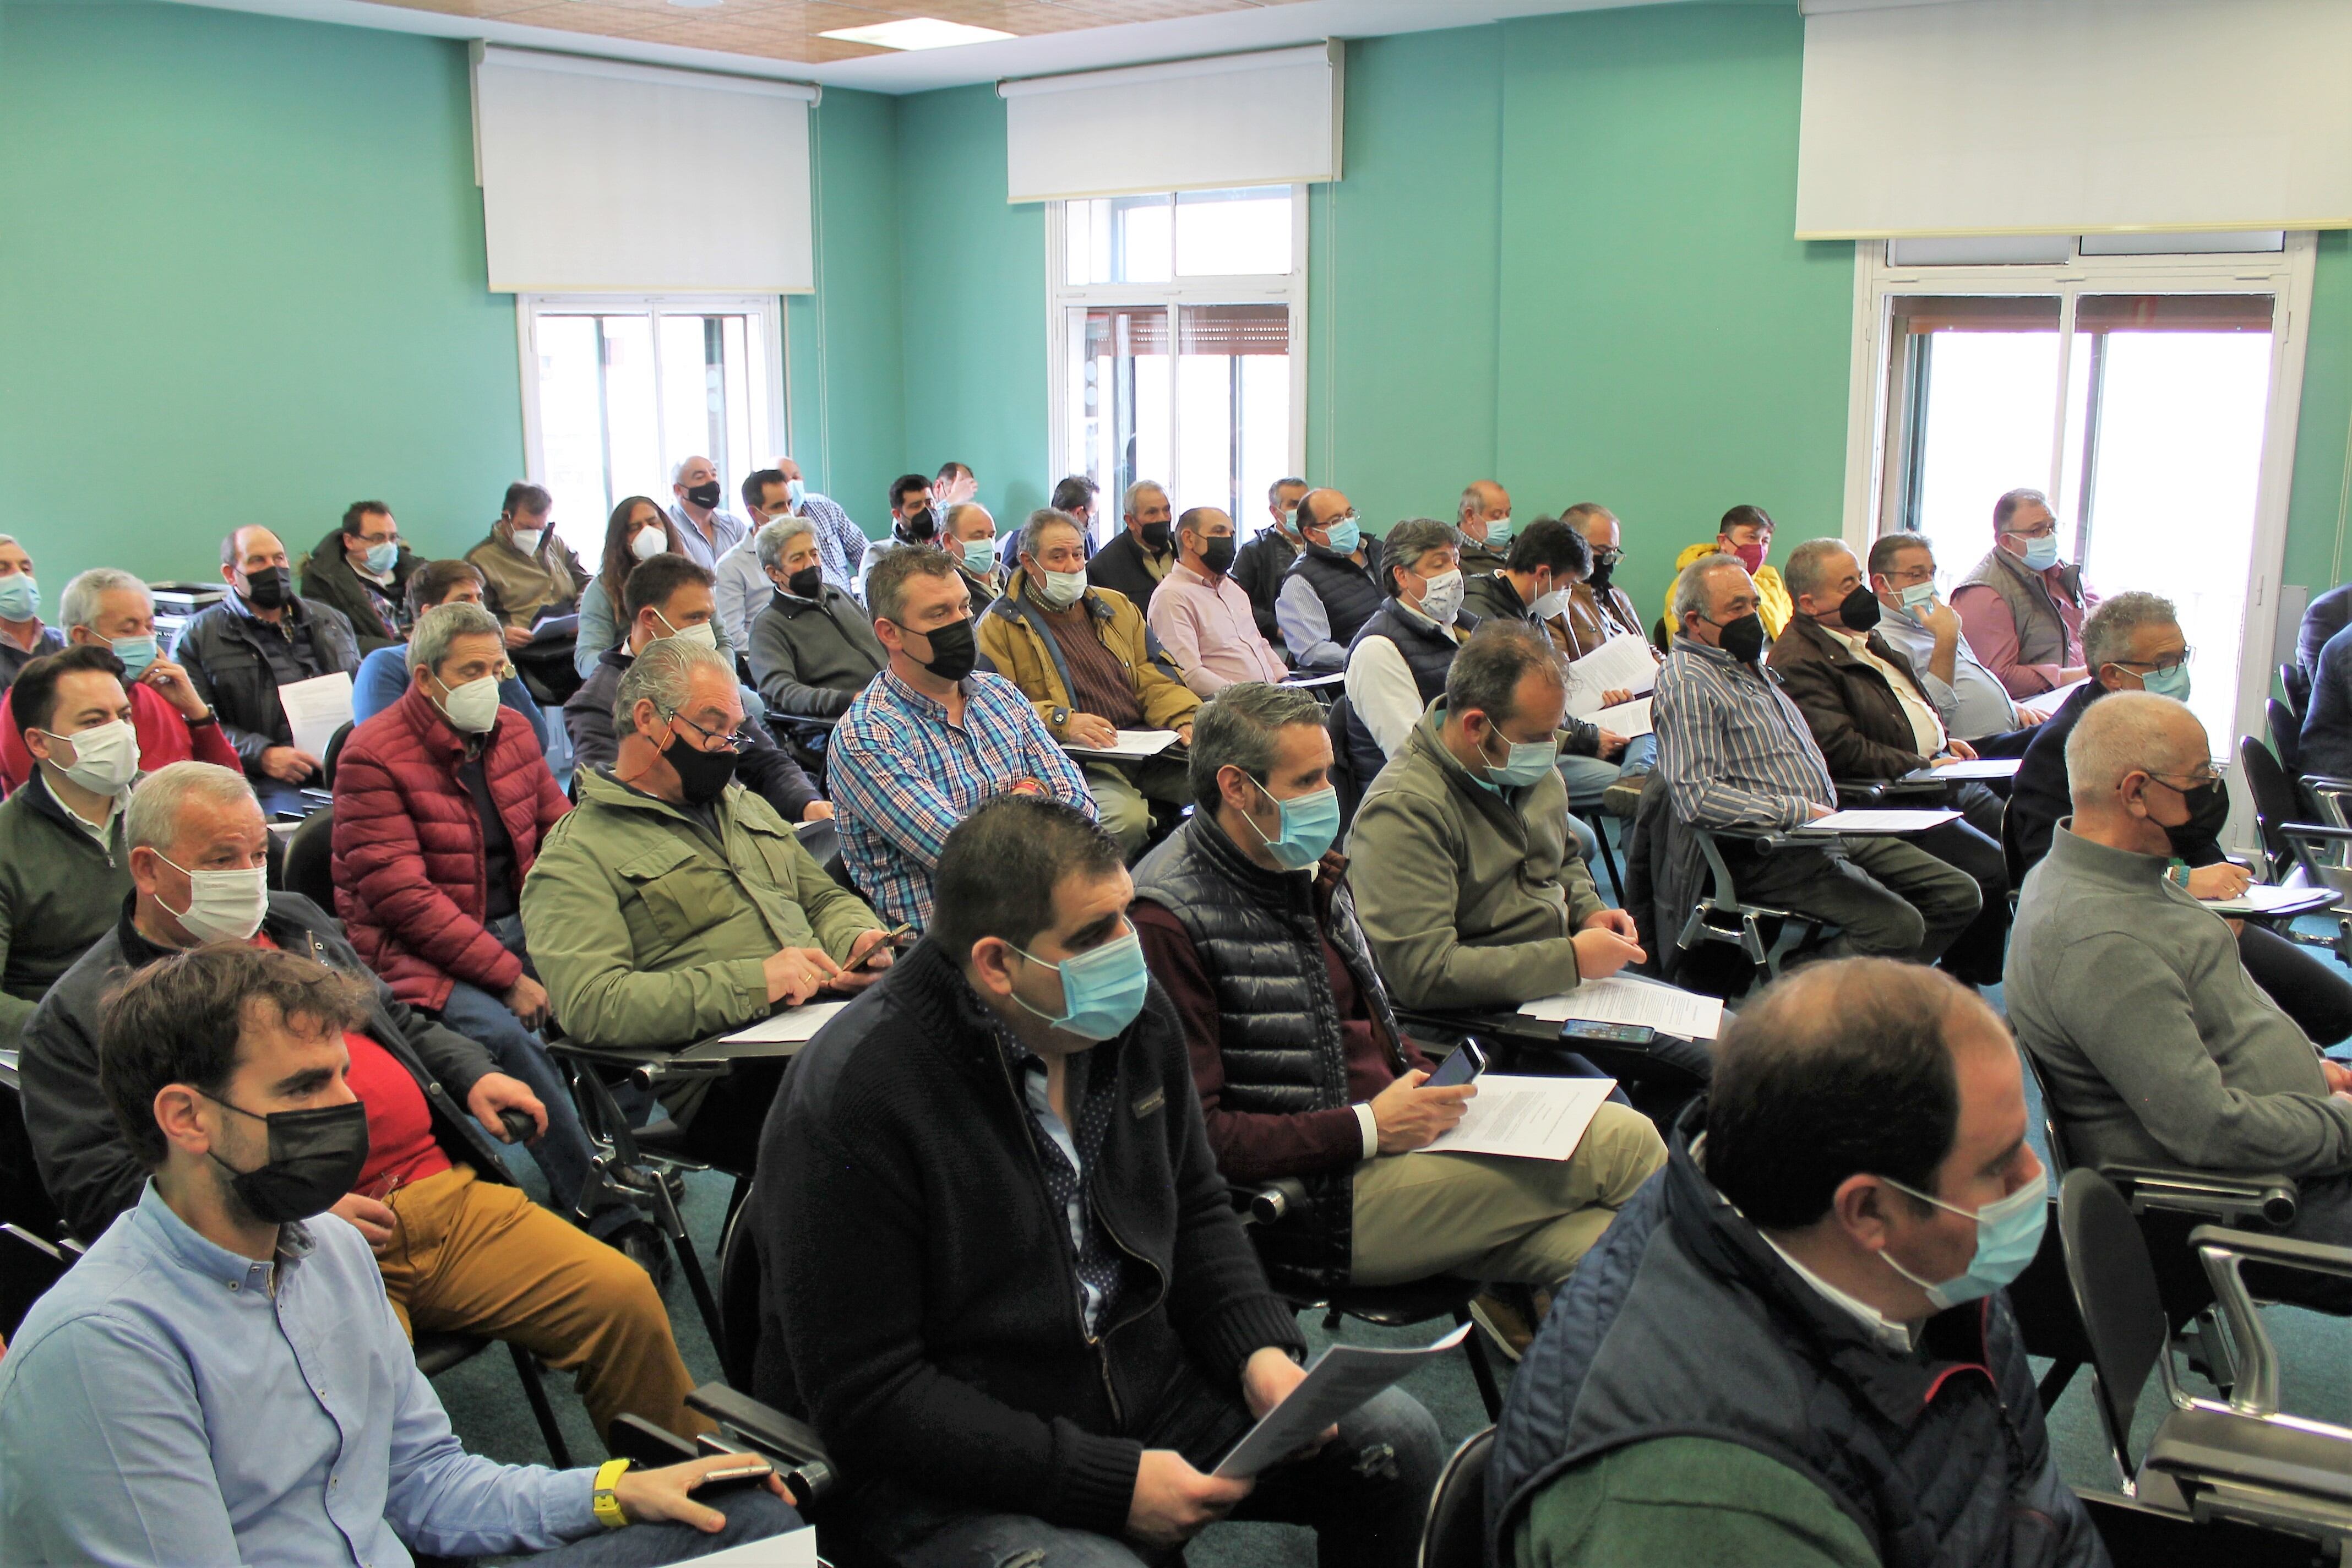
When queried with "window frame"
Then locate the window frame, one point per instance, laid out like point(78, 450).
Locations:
point(1063, 297)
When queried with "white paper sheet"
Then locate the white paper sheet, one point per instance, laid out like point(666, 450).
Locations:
point(1879, 821)
point(1527, 1118)
point(2050, 701)
point(795, 1549)
point(1619, 1001)
point(1954, 772)
point(2261, 898)
point(1621, 663)
point(1333, 679)
point(793, 1023)
point(1627, 718)
point(315, 709)
point(1133, 745)
point(1340, 1379)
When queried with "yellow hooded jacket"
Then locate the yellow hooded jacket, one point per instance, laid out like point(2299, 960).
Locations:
point(1772, 601)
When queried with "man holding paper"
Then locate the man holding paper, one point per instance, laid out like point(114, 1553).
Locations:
point(1014, 1294)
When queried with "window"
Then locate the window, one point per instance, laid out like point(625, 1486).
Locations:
point(2152, 397)
point(1172, 319)
point(618, 391)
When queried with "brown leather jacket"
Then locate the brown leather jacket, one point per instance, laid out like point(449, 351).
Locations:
point(1592, 620)
point(1855, 717)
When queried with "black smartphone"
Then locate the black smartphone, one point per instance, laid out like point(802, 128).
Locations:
point(1608, 1033)
point(751, 1472)
point(520, 1125)
point(1466, 1063)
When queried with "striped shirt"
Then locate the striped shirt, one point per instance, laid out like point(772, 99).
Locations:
point(1736, 753)
point(902, 775)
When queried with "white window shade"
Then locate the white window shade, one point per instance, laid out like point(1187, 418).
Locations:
point(1267, 119)
point(2073, 117)
point(599, 176)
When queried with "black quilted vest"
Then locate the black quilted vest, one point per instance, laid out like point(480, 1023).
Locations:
point(1260, 939)
point(1428, 653)
point(1349, 593)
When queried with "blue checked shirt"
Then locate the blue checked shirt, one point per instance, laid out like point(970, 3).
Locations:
point(840, 544)
point(1736, 753)
point(902, 776)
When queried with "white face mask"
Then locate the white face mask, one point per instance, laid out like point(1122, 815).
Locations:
point(1441, 599)
point(472, 707)
point(1550, 605)
point(1063, 589)
point(527, 539)
point(648, 542)
point(106, 756)
point(223, 905)
point(702, 634)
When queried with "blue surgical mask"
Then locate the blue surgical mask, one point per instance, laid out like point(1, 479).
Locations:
point(382, 558)
point(1102, 988)
point(795, 492)
point(980, 556)
point(1310, 822)
point(1346, 534)
point(1498, 532)
point(136, 654)
point(2172, 683)
point(1527, 763)
point(2042, 554)
point(1918, 593)
point(2009, 1233)
point(20, 597)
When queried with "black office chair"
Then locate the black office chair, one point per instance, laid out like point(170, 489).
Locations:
point(2297, 686)
point(438, 1353)
point(310, 868)
point(1455, 1534)
point(739, 1294)
point(2286, 734)
point(1344, 782)
point(334, 756)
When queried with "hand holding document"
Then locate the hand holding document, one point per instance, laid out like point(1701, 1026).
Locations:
point(1620, 664)
point(1133, 745)
point(1956, 772)
point(1340, 1379)
point(1618, 1000)
point(1627, 718)
point(1878, 822)
point(1527, 1118)
point(315, 710)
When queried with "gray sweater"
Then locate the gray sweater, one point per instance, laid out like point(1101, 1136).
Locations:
point(812, 657)
point(2154, 1042)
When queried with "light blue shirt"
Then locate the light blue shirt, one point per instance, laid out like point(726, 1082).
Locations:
point(727, 531)
point(170, 1401)
point(1973, 703)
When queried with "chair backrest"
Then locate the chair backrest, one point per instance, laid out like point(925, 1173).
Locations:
point(2012, 849)
point(334, 754)
point(1350, 788)
point(1454, 1536)
point(739, 1293)
point(2296, 684)
point(2053, 1131)
point(2114, 1278)
point(310, 858)
point(2273, 795)
point(2286, 734)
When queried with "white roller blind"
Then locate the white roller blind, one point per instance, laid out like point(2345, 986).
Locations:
point(2073, 117)
point(599, 176)
point(1268, 119)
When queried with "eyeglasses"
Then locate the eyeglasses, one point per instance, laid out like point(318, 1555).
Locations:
point(2043, 531)
point(2168, 662)
point(2199, 778)
point(1607, 557)
point(735, 740)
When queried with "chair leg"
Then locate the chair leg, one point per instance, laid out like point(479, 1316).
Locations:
point(2054, 1381)
point(682, 1243)
point(535, 1389)
point(1481, 1369)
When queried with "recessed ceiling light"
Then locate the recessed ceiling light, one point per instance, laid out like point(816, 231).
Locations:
point(915, 32)
point(698, 5)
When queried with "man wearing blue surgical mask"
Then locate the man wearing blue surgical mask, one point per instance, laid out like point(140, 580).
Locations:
point(1058, 1383)
point(1249, 921)
point(363, 569)
point(1794, 1346)
point(1333, 587)
point(1483, 518)
point(1918, 623)
point(23, 637)
point(2021, 607)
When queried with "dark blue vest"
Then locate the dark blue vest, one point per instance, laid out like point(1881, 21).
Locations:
point(1349, 593)
point(1428, 653)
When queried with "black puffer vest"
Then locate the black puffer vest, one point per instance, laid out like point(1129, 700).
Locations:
point(1428, 653)
point(1261, 940)
point(1349, 593)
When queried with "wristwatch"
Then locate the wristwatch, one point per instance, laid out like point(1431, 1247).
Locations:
point(1059, 717)
point(2176, 872)
point(608, 1506)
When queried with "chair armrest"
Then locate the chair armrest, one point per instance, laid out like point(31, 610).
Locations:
point(1270, 1202)
point(639, 1441)
point(2255, 1391)
point(2323, 781)
point(2274, 1197)
point(2313, 1256)
point(807, 1471)
point(1861, 792)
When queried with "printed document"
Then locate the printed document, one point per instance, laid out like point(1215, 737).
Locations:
point(1878, 822)
point(2261, 899)
point(1627, 718)
point(1340, 1380)
point(315, 709)
point(1620, 664)
point(1954, 772)
point(1617, 1000)
point(1133, 745)
point(788, 1025)
point(1527, 1118)
point(795, 1549)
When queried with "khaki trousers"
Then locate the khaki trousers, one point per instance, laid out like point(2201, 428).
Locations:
point(1124, 792)
point(479, 1258)
point(1492, 1217)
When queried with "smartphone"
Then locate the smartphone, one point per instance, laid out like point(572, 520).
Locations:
point(1608, 1033)
point(1466, 1063)
point(750, 1473)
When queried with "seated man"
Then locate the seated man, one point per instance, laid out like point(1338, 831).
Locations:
point(1746, 535)
point(148, 1415)
point(931, 738)
point(1738, 755)
point(384, 677)
point(1533, 585)
point(1873, 722)
point(1260, 566)
point(2021, 607)
point(2134, 643)
point(62, 872)
point(668, 598)
point(2153, 1040)
point(1248, 923)
point(23, 637)
point(261, 636)
point(529, 574)
point(1334, 585)
point(1480, 899)
point(1014, 1295)
point(363, 569)
point(972, 540)
point(1398, 659)
point(440, 803)
point(914, 522)
point(1202, 616)
point(840, 543)
point(1968, 698)
point(705, 531)
point(1482, 521)
point(739, 581)
point(103, 608)
point(2326, 742)
point(1084, 657)
point(812, 645)
point(1139, 557)
point(462, 1249)
point(675, 904)
point(1597, 609)
point(1782, 1352)
point(2326, 615)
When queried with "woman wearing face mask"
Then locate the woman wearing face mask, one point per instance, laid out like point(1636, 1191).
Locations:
point(638, 531)
point(1745, 533)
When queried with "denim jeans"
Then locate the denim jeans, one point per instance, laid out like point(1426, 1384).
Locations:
point(751, 1516)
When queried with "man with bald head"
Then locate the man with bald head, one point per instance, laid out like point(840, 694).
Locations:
point(705, 532)
point(1333, 587)
point(2155, 1043)
point(1483, 518)
point(261, 636)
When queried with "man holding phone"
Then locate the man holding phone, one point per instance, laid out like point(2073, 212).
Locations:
point(1301, 1069)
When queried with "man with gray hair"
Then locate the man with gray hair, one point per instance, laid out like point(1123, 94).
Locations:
point(1398, 659)
point(812, 646)
point(1138, 559)
point(674, 904)
point(2156, 1044)
point(707, 532)
point(2021, 607)
point(1482, 520)
point(23, 637)
point(109, 609)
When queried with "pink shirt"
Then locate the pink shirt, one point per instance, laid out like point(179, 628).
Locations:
point(1991, 632)
point(1207, 627)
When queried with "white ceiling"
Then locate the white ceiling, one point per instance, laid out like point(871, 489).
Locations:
point(1088, 48)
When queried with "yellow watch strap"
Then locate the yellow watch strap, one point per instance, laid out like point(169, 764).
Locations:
point(608, 1506)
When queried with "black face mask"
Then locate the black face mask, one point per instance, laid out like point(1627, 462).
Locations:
point(1217, 554)
point(919, 526)
point(1155, 537)
point(704, 495)
point(1597, 579)
point(1743, 639)
point(2209, 812)
point(954, 651)
point(1859, 610)
point(702, 776)
point(806, 583)
point(314, 1157)
point(271, 588)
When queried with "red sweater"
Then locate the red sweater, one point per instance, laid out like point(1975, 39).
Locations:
point(165, 737)
point(409, 859)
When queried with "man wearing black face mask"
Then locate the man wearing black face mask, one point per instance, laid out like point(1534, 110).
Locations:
point(812, 646)
point(1140, 559)
point(1201, 614)
point(707, 532)
point(259, 639)
point(1737, 754)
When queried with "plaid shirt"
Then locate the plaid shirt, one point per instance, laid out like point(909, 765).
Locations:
point(840, 544)
point(1735, 751)
point(902, 776)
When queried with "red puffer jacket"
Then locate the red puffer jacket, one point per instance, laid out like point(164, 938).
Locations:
point(408, 847)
